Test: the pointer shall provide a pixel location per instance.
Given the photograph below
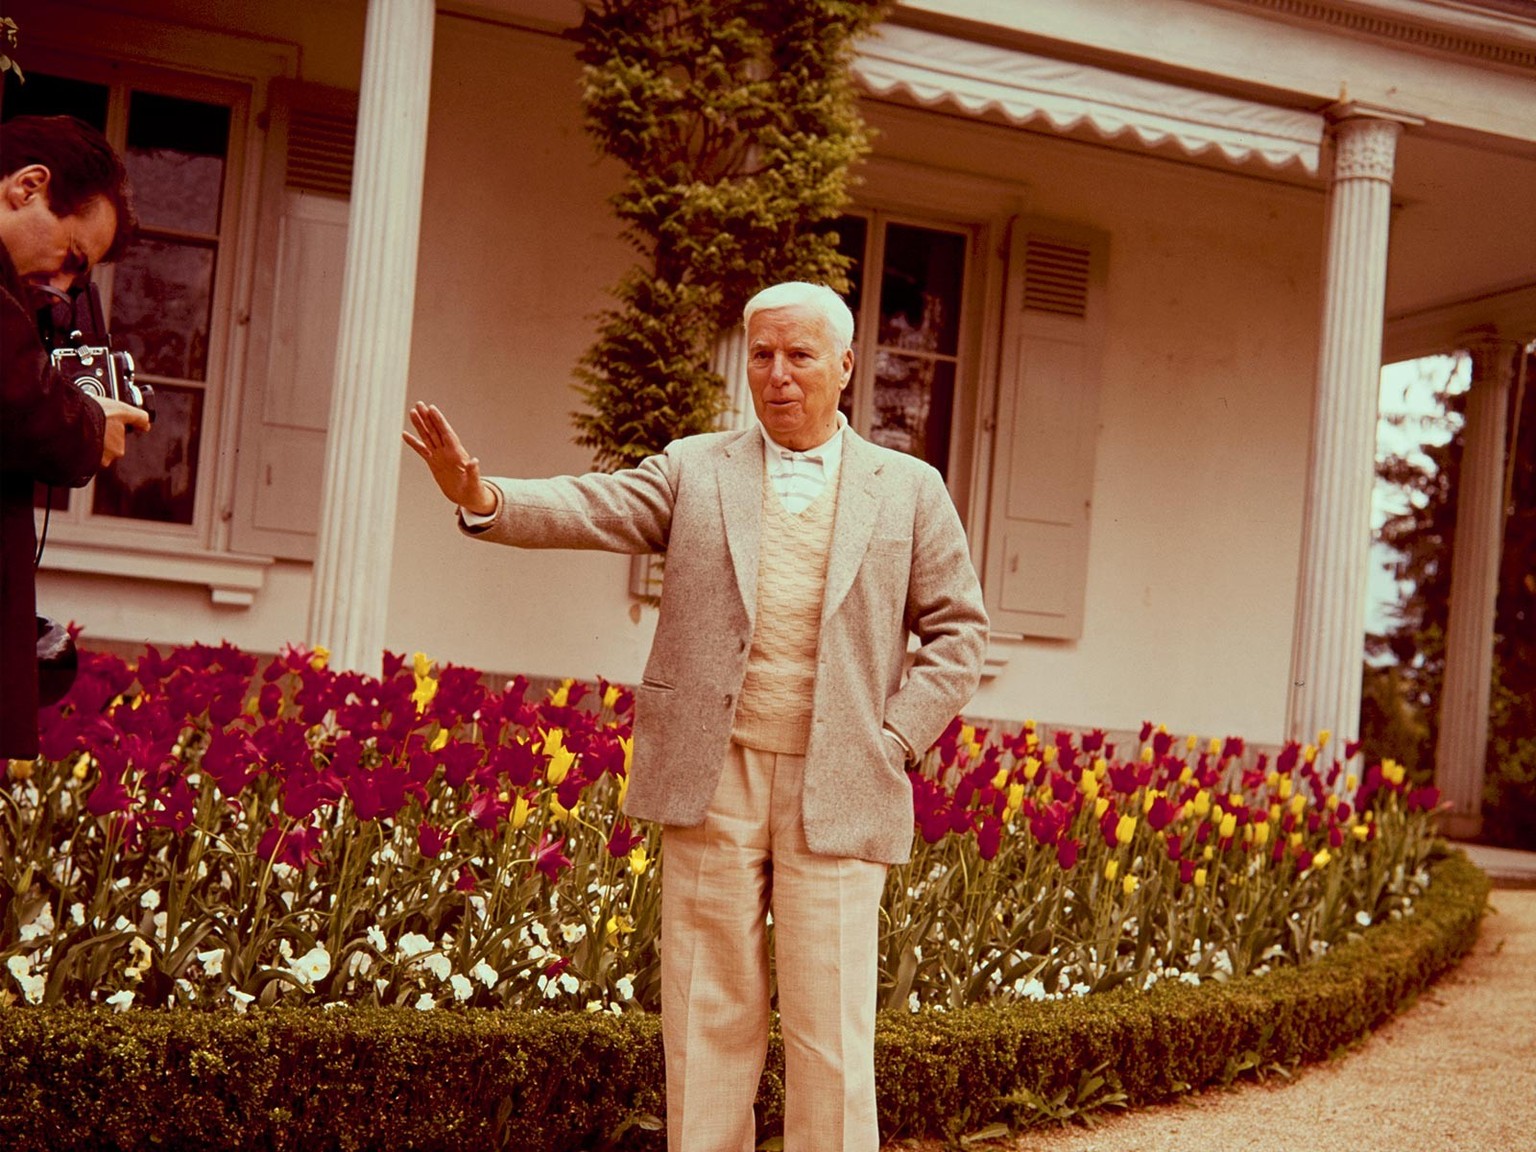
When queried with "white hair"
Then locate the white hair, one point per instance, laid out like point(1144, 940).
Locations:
point(817, 297)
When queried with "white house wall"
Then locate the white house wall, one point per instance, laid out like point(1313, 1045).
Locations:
point(1208, 372)
point(1206, 411)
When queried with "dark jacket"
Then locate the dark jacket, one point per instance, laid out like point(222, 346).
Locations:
point(49, 431)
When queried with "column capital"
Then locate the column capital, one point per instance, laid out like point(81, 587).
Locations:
point(1365, 147)
point(1495, 357)
point(1344, 110)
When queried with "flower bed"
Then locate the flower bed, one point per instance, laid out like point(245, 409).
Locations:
point(206, 831)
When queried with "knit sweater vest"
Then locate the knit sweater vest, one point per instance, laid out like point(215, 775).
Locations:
point(774, 712)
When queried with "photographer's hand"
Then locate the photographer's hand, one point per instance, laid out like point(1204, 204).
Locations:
point(457, 472)
point(120, 417)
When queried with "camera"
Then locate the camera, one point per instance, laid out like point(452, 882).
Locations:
point(98, 371)
point(81, 350)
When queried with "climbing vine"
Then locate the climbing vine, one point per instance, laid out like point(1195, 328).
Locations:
point(737, 122)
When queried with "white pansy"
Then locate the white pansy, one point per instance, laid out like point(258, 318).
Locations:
point(536, 953)
point(377, 938)
point(122, 924)
point(212, 961)
point(414, 944)
point(540, 932)
point(77, 915)
point(425, 1002)
point(462, 988)
point(1190, 978)
point(1033, 990)
point(913, 1003)
point(437, 964)
point(573, 933)
point(594, 1005)
point(569, 983)
point(39, 926)
point(121, 1001)
point(313, 965)
point(150, 899)
point(487, 975)
point(1363, 918)
point(161, 921)
point(625, 986)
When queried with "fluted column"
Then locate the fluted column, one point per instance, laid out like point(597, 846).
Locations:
point(1461, 753)
point(362, 467)
point(1329, 645)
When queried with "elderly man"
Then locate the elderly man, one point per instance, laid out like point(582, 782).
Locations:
point(63, 209)
point(778, 713)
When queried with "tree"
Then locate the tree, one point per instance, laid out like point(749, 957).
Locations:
point(738, 122)
point(1400, 718)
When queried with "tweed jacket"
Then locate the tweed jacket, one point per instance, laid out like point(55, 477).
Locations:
point(899, 565)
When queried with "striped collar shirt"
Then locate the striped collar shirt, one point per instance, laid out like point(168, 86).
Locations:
point(799, 477)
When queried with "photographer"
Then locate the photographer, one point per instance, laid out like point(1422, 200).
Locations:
point(63, 209)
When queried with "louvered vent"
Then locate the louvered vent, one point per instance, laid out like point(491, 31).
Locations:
point(320, 152)
point(1055, 276)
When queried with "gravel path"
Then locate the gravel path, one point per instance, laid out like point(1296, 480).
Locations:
point(1454, 1073)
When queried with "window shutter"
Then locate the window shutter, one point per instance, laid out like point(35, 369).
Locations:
point(295, 317)
point(1047, 427)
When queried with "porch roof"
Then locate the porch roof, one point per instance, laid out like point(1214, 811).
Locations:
point(980, 79)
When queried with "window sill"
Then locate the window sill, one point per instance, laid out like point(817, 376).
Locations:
point(232, 581)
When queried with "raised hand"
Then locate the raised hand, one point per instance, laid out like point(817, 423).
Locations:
point(457, 472)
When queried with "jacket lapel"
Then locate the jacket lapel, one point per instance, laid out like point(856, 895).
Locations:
point(741, 510)
point(858, 505)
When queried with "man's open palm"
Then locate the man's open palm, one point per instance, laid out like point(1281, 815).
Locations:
point(457, 472)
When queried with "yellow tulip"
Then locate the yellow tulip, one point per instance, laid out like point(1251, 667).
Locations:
point(1015, 797)
point(560, 695)
point(520, 810)
point(438, 741)
point(1146, 754)
point(1333, 801)
point(1125, 829)
point(1130, 884)
point(638, 861)
point(1199, 877)
point(1361, 831)
point(1048, 754)
point(1100, 766)
point(82, 767)
point(421, 664)
point(1260, 834)
point(1322, 858)
point(1323, 737)
point(1149, 798)
point(1089, 785)
point(1186, 774)
point(1295, 839)
point(1351, 782)
point(559, 765)
point(623, 789)
point(1202, 803)
point(1100, 806)
point(1228, 825)
point(1191, 742)
point(611, 697)
point(1000, 779)
point(1308, 753)
point(1031, 768)
point(1298, 803)
point(426, 688)
point(1111, 870)
point(1214, 747)
point(318, 657)
point(1284, 791)
point(628, 744)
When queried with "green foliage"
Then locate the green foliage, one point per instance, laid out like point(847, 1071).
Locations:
point(737, 122)
point(1400, 718)
point(374, 1078)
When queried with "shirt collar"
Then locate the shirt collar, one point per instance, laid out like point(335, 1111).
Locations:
point(829, 452)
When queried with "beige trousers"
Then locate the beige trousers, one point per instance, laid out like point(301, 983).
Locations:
point(719, 882)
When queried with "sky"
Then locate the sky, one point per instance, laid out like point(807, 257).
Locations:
point(1408, 390)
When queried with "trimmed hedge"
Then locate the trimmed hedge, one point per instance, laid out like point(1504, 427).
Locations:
point(318, 1081)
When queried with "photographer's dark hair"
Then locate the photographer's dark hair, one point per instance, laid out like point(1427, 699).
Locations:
point(81, 164)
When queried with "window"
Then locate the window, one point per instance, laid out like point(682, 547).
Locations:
point(166, 301)
point(908, 342)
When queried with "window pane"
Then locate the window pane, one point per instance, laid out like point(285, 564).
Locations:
point(44, 95)
point(175, 158)
point(914, 402)
point(162, 296)
point(157, 479)
point(920, 289)
point(852, 236)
